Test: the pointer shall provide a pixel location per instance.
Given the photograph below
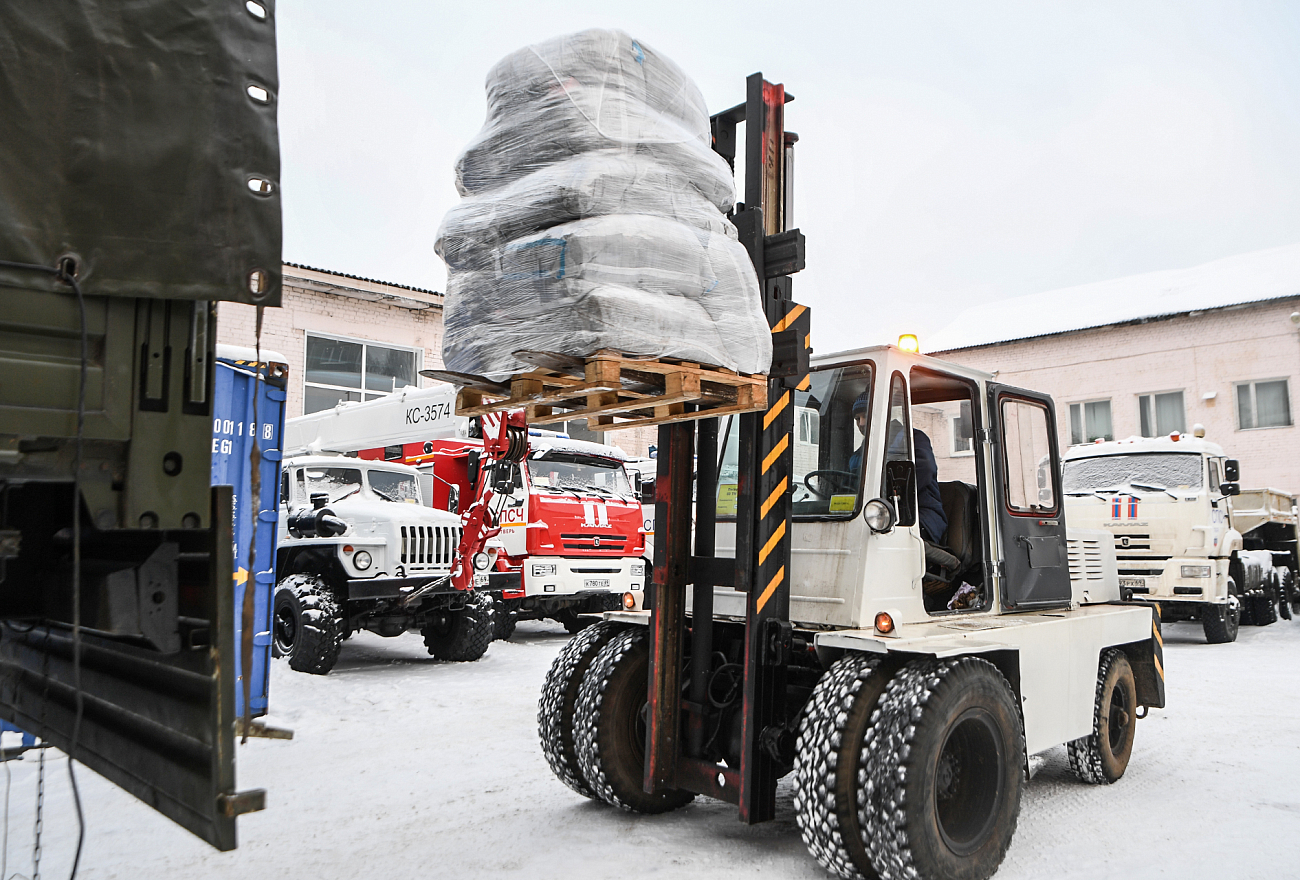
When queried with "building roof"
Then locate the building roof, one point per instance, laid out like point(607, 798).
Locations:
point(1258, 276)
point(360, 278)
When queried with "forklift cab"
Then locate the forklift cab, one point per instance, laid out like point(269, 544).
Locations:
point(858, 547)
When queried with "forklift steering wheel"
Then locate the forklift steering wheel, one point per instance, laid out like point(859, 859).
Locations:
point(846, 481)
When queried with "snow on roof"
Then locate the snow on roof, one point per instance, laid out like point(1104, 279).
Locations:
point(542, 445)
point(1245, 278)
point(1138, 445)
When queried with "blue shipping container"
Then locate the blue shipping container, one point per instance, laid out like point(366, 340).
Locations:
point(234, 431)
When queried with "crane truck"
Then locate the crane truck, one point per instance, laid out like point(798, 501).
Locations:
point(572, 538)
point(1188, 538)
point(802, 627)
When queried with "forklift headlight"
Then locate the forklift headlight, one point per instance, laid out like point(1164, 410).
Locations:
point(1195, 571)
point(362, 560)
point(879, 515)
point(482, 561)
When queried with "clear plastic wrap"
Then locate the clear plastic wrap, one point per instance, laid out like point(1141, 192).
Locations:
point(593, 218)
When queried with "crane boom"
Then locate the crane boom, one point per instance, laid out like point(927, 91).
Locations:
point(408, 415)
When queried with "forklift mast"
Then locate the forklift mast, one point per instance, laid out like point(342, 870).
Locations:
point(679, 709)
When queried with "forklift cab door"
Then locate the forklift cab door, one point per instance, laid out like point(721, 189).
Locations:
point(1030, 517)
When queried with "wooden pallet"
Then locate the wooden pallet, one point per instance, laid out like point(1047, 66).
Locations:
point(610, 390)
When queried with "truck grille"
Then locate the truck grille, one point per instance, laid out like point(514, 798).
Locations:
point(429, 546)
point(612, 544)
point(1085, 559)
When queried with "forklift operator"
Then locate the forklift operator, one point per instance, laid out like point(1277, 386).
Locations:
point(934, 522)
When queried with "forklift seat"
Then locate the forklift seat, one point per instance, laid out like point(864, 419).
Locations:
point(962, 540)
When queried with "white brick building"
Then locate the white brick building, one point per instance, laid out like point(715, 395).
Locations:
point(1217, 344)
point(350, 338)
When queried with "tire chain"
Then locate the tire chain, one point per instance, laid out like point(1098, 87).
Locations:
point(587, 711)
point(571, 661)
point(1084, 753)
point(886, 745)
point(321, 619)
point(821, 733)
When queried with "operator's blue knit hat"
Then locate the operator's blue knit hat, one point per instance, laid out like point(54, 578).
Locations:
point(863, 403)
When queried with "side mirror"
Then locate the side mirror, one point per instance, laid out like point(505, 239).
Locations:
point(1231, 471)
point(636, 483)
point(898, 478)
point(453, 499)
point(471, 467)
point(1230, 488)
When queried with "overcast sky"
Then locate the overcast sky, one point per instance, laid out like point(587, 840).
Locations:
point(948, 155)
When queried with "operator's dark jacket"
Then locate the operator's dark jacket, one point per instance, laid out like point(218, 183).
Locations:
point(934, 522)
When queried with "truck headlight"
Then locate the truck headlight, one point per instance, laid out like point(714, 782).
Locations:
point(1195, 571)
point(638, 569)
point(361, 560)
point(544, 570)
point(482, 561)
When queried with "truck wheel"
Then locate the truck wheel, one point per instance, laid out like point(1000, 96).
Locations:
point(506, 618)
point(943, 764)
point(1102, 757)
point(834, 722)
point(555, 709)
point(572, 623)
point(462, 635)
point(609, 727)
point(1221, 622)
point(1265, 609)
point(1281, 594)
point(307, 626)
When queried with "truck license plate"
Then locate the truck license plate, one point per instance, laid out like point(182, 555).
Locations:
point(1132, 582)
point(596, 584)
point(480, 579)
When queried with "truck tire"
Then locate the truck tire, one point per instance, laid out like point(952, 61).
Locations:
point(1281, 593)
point(827, 754)
point(943, 767)
point(506, 618)
point(307, 626)
point(1221, 622)
point(572, 623)
point(462, 635)
point(555, 709)
point(1102, 757)
point(1264, 609)
point(609, 726)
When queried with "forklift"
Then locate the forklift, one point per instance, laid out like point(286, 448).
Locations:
point(806, 625)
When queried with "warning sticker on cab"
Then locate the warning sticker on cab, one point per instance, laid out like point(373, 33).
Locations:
point(727, 493)
point(843, 503)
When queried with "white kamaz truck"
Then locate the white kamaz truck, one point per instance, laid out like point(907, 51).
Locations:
point(360, 549)
point(1187, 537)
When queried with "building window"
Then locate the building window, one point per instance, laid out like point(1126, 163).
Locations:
point(1089, 421)
point(1159, 415)
point(962, 431)
point(1263, 404)
point(343, 369)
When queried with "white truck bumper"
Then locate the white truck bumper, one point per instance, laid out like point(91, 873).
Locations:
point(565, 576)
point(1183, 580)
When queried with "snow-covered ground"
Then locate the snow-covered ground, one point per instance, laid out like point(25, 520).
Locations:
point(405, 767)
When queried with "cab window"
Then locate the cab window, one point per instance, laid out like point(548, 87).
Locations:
point(1027, 452)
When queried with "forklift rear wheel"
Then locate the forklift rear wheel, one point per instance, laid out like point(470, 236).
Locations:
point(1102, 757)
point(462, 635)
point(306, 624)
point(559, 699)
point(834, 722)
point(609, 728)
point(944, 767)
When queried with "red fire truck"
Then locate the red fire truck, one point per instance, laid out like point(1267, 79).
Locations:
point(571, 520)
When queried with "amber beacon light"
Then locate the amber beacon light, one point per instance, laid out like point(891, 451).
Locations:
point(909, 342)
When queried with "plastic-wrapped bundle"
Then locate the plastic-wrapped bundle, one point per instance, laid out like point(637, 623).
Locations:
point(640, 285)
point(589, 91)
point(591, 185)
point(593, 218)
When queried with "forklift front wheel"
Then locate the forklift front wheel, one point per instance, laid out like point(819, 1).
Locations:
point(609, 727)
point(944, 761)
